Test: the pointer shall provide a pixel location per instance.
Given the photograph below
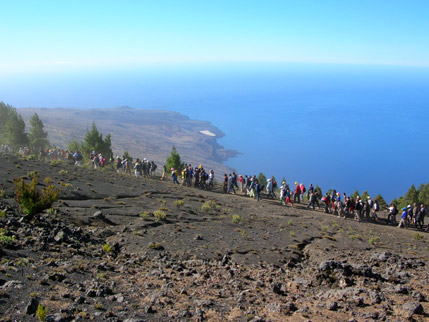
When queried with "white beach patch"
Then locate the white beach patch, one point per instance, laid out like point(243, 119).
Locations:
point(207, 132)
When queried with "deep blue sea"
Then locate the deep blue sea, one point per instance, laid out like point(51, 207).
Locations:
point(340, 126)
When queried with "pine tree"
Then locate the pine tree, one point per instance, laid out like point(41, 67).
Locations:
point(355, 194)
point(381, 202)
point(262, 179)
point(14, 130)
point(318, 190)
point(173, 161)
point(127, 156)
point(364, 195)
point(93, 141)
point(37, 137)
point(424, 194)
point(411, 196)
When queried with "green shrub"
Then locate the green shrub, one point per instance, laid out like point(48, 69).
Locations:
point(31, 200)
point(2, 193)
point(144, 214)
point(375, 240)
point(208, 205)
point(107, 248)
point(41, 313)
point(236, 219)
point(156, 246)
point(159, 215)
point(179, 203)
point(32, 157)
point(5, 239)
point(63, 172)
point(56, 163)
point(418, 236)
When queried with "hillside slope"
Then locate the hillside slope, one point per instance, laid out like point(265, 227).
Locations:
point(106, 251)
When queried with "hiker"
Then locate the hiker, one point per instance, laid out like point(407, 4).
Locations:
point(303, 190)
point(288, 196)
point(234, 180)
point(78, 157)
point(310, 191)
point(258, 189)
point(368, 206)
point(174, 176)
point(313, 199)
point(231, 184)
point(164, 172)
point(403, 222)
point(241, 181)
point(197, 177)
point(297, 193)
point(375, 209)
point(153, 167)
point(340, 207)
point(138, 168)
point(270, 189)
point(252, 192)
point(358, 206)
point(391, 217)
point(420, 219)
point(185, 175)
point(282, 195)
point(225, 183)
point(327, 200)
point(211, 178)
point(409, 215)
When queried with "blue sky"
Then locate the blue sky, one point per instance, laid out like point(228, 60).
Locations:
point(57, 35)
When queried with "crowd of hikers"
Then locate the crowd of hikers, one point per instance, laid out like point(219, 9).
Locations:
point(333, 202)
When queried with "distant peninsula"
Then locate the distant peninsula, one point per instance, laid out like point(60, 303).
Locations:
point(142, 132)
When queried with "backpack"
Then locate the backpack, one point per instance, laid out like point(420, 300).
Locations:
point(274, 184)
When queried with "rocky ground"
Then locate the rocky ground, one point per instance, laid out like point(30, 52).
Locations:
point(117, 248)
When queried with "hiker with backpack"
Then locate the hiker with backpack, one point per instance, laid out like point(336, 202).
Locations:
point(174, 176)
point(138, 168)
point(391, 217)
point(270, 189)
point(230, 184)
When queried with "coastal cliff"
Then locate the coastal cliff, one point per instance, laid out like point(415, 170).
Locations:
point(141, 132)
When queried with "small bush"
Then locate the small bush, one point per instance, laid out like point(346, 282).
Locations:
point(56, 163)
point(179, 203)
point(156, 246)
point(375, 240)
point(32, 157)
point(41, 313)
point(5, 239)
point(208, 205)
point(355, 236)
point(31, 200)
point(236, 219)
point(2, 193)
point(418, 236)
point(292, 234)
point(144, 214)
point(107, 248)
point(63, 172)
point(159, 215)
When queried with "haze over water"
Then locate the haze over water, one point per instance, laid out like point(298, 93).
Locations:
point(344, 127)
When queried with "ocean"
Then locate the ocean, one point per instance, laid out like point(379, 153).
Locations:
point(345, 127)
